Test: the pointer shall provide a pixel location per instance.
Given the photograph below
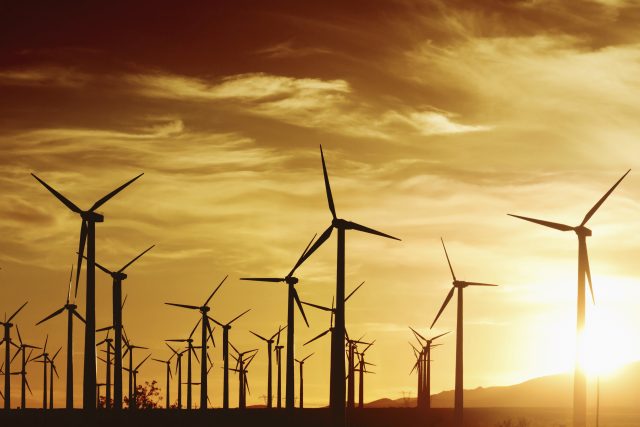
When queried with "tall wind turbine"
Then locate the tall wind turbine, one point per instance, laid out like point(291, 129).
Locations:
point(87, 235)
point(108, 402)
point(278, 351)
point(337, 386)
point(582, 232)
point(45, 359)
point(206, 330)
point(269, 342)
point(23, 371)
point(118, 277)
point(362, 369)
point(52, 370)
point(71, 311)
point(301, 363)
point(178, 355)
point(459, 388)
point(242, 365)
point(7, 356)
point(225, 356)
point(190, 350)
point(292, 296)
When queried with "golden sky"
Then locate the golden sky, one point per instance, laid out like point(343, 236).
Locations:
point(437, 119)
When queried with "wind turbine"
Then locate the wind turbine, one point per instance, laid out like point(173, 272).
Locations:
point(25, 360)
point(424, 397)
point(7, 356)
point(135, 383)
point(130, 347)
point(362, 368)
point(241, 369)
point(169, 376)
point(337, 386)
point(278, 351)
point(225, 356)
point(269, 342)
point(52, 370)
point(292, 296)
point(108, 402)
point(178, 355)
point(582, 232)
point(191, 350)
point(459, 388)
point(206, 329)
point(45, 359)
point(301, 362)
point(87, 235)
point(118, 277)
point(71, 311)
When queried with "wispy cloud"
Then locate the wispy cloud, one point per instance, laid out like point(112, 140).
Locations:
point(43, 76)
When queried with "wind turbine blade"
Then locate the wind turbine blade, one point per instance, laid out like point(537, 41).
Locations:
point(234, 348)
point(54, 314)
point(417, 334)
point(26, 381)
point(438, 336)
point(215, 290)
point(259, 336)
point(327, 186)
point(106, 270)
point(213, 342)
point(478, 284)
point(106, 328)
point(239, 316)
point(302, 258)
point(263, 279)
point(102, 201)
point(444, 305)
point(215, 321)
point(59, 196)
point(356, 226)
point(75, 313)
point(333, 312)
point(19, 337)
point(192, 307)
point(81, 243)
point(135, 259)
point(448, 261)
point(56, 354)
point(601, 201)
point(15, 355)
point(317, 337)
point(17, 311)
point(140, 364)
point(353, 292)
point(194, 329)
point(69, 287)
point(319, 307)
point(588, 272)
point(280, 329)
point(323, 238)
point(124, 301)
point(171, 348)
point(556, 225)
point(308, 356)
point(297, 298)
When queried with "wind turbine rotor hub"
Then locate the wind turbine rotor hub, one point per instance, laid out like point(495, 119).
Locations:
point(581, 230)
point(204, 309)
point(460, 284)
point(92, 216)
point(340, 223)
point(291, 280)
point(119, 276)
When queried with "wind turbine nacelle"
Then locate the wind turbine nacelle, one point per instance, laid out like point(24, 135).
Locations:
point(340, 223)
point(291, 280)
point(92, 216)
point(119, 276)
point(581, 230)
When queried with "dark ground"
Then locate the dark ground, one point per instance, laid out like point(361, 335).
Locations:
point(370, 417)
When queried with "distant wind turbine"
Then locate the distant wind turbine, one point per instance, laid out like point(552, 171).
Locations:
point(459, 387)
point(7, 356)
point(269, 342)
point(301, 363)
point(23, 370)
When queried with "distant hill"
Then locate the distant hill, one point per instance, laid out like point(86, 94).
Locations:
point(619, 390)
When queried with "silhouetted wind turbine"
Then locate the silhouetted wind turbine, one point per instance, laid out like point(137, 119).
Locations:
point(292, 296)
point(269, 342)
point(301, 362)
point(337, 386)
point(351, 350)
point(109, 342)
point(424, 398)
point(7, 356)
point(225, 356)
point(129, 349)
point(71, 311)
point(45, 359)
point(178, 355)
point(118, 304)
point(23, 372)
point(278, 351)
point(87, 235)
point(52, 370)
point(579, 379)
point(362, 368)
point(206, 329)
point(169, 376)
point(459, 387)
point(191, 350)
point(241, 369)
point(134, 372)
